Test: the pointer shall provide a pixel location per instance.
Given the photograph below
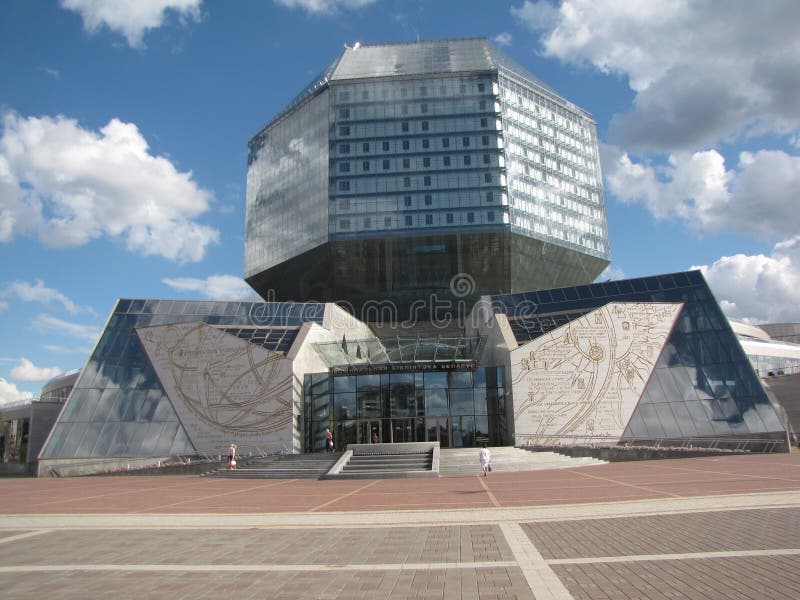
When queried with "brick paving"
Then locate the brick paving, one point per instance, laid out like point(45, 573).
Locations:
point(726, 527)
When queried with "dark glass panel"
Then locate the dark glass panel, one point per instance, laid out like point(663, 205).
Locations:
point(436, 402)
point(104, 439)
point(635, 428)
point(460, 379)
point(435, 381)
point(369, 404)
point(103, 408)
point(122, 306)
point(461, 402)
point(769, 417)
point(56, 441)
point(181, 444)
point(320, 407)
point(650, 421)
point(150, 439)
point(136, 306)
point(345, 406)
point(87, 402)
point(163, 411)
point(684, 419)
point(668, 422)
point(167, 438)
point(479, 377)
point(344, 384)
point(368, 382)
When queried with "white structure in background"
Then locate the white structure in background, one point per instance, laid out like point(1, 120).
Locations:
point(768, 356)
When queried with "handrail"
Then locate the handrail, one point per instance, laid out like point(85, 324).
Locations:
point(739, 444)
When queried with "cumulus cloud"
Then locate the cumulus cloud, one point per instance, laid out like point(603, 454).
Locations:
point(701, 74)
point(131, 19)
point(27, 371)
point(38, 292)
point(324, 6)
point(69, 185)
point(9, 393)
point(214, 287)
point(51, 324)
point(743, 283)
point(756, 196)
point(502, 39)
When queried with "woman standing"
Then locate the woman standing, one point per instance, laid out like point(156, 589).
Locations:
point(486, 459)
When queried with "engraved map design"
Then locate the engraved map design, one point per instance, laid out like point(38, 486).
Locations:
point(581, 381)
point(222, 387)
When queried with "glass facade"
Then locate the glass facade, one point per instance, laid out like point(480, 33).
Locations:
point(456, 407)
point(703, 386)
point(118, 407)
point(442, 159)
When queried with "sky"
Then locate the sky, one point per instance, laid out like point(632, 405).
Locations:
point(124, 129)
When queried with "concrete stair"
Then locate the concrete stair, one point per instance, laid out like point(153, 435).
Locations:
point(281, 466)
point(464, 461)
point(386, 466)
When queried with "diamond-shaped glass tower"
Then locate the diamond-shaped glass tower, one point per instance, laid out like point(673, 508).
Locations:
point(427, 169)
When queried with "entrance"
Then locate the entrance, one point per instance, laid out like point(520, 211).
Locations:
point(367, 429)
point(438, 431)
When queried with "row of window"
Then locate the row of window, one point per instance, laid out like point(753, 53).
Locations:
point(388, 111)
point(426, 162)
point(345, 184)
point(420, 91)
point(391, 146)
point(408, 220)
point(345, 204)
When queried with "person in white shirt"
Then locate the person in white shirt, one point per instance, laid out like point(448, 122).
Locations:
point(486, 459)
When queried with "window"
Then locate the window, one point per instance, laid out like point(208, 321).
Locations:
point(405, 144)
point(406, 163)
point(344, 224)
point(385, 146)
point(470, 217)
point(385, 164)
point(465, 142)
point(486, 159)
point(365, 95)
point(445, 142)
point(403, 92)
point(487, 177)
point(481, 87)
point(425, 126)
point(408, 220)
point(365, 165)
point(365, 147)
point(426, 162)
point(446, 161)
point(423, 91)
point(423, 108)
point(449, 217)
point(490, 216)
point(404, 109)
point(489, 197)
point(345, 130)
point(344, 113)
point(368, 222)
point(482, 105)
point(407, 200)
point(484, 122)
point(344, 167)
point(344, 204)
point(462, 89)
point(344, 148)
point(404, 126)
point(485, 140)
point(406, 181)
point(426, 143)
point(428, 199)
point(467, 161)
point(344, 186)
point(387, 221)
point(428, 219)
point(427, 180)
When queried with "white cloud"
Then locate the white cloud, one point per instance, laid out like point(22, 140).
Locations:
point(760, 288)
point(503, 39)
point(67, 349)
point(69, 185)
point(757, 196)
point(9, 393)
point(37, 292)
point(215, 287)
point(3, 305)
point(131, 19)
point(324, 6)
point(27, 371)
point(51, 324)
point(701, 73)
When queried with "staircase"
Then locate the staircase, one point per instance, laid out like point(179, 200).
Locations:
point(387, 466)
point(281, 466)
point(464, 461)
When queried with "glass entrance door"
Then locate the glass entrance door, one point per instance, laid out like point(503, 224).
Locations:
point(369, 431)
point(438, 431)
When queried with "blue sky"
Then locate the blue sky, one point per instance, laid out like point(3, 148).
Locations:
point(124, 128)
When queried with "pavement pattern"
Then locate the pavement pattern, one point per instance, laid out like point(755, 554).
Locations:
point(718, 527)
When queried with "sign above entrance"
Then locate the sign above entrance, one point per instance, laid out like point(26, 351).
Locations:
point(403, 368)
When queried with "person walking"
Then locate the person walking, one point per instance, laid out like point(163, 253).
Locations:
point(486, 460)
point(328, 439)
point(232, 456)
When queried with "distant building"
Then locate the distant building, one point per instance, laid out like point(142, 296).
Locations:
point(408, 174)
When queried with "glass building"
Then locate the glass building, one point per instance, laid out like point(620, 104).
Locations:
point(417, 169)
point(687, 376)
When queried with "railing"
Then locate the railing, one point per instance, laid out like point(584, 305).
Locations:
point(729, 444)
